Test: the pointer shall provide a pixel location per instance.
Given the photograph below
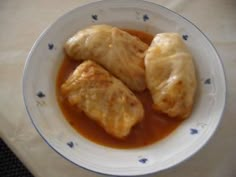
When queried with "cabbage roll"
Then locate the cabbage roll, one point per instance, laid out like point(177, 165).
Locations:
point(119, 52)
point(103, 98)
point(170, 75)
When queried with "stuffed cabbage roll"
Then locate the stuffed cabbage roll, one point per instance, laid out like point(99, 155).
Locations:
point(119, 52)
point(170, 75)
point(103, 98)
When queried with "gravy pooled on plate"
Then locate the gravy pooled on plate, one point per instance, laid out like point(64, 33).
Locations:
point(153, 127)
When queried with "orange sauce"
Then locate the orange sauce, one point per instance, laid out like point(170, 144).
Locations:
point(154, 127)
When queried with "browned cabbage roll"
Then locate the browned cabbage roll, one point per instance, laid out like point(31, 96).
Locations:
point(170, 75)
point(119, 52)
point(103, 98)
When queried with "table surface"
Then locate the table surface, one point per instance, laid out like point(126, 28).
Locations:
point(21, 22)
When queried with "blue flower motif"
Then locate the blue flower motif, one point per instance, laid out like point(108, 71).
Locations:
point(50, 46)
point(193, 131)
point(95, 17)
point(145, 17)
point(143, 160)
point(40, 94)
point(185, 37)
point(70, 144)
point(207, 81)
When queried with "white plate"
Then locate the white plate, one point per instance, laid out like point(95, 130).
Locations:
point(40, 100)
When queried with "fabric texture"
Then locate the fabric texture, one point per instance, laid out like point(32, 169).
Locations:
point(10, 165)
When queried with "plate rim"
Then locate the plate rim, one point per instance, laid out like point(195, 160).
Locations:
point(81, 5)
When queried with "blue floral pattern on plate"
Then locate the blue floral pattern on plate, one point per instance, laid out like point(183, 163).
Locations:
point(40, 94)
point(193, 131)
point(185, 37)
point(70, 144)
point(94, 17)
point(50, 46)
point(143, 160)
point(145, 17)
point(207, 81)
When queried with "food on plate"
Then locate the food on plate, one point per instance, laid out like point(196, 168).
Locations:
point(119, 52)
point(103, 64)
point(103, 98)
point(153, 127)
point(170, 75)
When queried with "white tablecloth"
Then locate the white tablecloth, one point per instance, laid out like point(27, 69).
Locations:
point(21, 22)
